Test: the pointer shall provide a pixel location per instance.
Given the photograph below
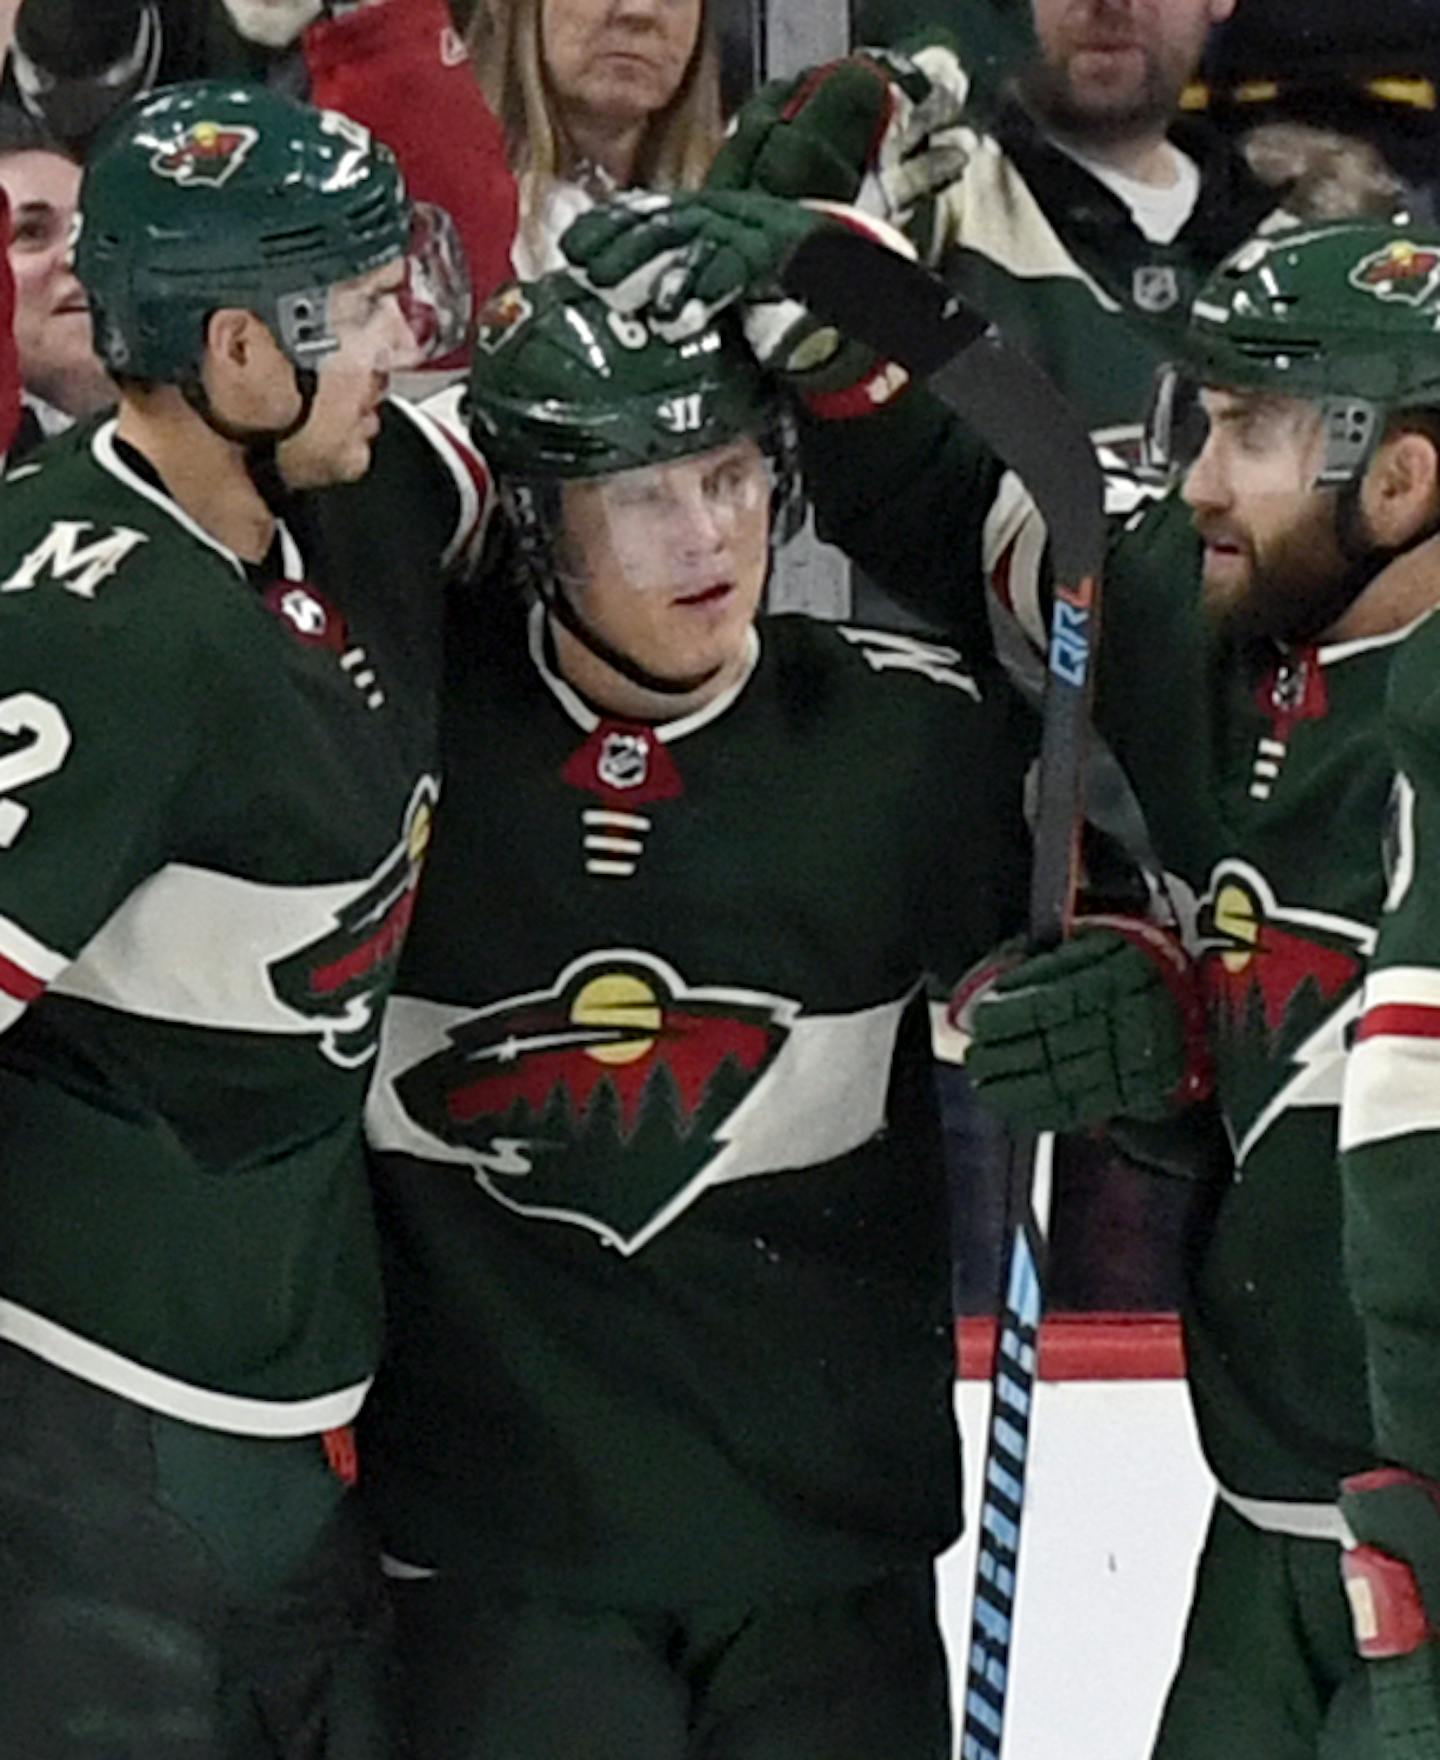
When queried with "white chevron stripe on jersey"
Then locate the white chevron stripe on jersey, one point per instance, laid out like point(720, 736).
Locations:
point(235, 1413)
point(27, 967)
point(1392, 1079)
point(159, 955)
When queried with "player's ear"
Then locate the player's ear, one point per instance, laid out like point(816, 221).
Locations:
point(225, 338)
point(1402, 488)
point(1220, 10)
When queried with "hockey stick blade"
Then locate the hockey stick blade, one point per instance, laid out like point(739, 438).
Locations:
point(910, 315)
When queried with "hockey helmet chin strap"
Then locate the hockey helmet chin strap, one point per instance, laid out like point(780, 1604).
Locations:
point(1367, 559)
point(559, 603)
point(259, 446)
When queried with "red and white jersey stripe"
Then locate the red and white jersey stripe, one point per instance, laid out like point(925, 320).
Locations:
point(1392, 1078)
point(440, 421)
point(27, 968)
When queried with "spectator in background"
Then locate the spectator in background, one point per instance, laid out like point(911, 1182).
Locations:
point(61, 377)
point(398, 66)
point(595, 96)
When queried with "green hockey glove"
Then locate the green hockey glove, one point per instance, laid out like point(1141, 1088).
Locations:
point(681, 260)
point(1110, 1024)
point(880, 130)
point(1392, 1578)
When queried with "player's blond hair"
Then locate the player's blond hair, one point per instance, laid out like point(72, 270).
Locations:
point(676, 147)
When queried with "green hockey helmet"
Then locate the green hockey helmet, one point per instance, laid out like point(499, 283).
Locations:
point(1346, 315)
point(564, 389)
point(212, 193)
point(562, 386)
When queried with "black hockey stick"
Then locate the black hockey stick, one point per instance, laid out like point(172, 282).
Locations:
point(911, 316)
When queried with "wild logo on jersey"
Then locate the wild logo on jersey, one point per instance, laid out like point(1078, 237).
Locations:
point(1281, 982)
point(343, 977)
point(600, 1101)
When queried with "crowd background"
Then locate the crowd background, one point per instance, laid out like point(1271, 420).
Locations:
point(510, 142)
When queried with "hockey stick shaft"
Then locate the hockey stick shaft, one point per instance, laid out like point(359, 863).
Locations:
point(911, 316)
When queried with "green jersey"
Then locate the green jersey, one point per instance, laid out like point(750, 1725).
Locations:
point(663, 1203)
point(216, 785)
point(1390, 1122)
point(1263, 778)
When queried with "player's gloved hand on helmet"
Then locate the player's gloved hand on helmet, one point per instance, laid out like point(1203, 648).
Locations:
point(880, 129)
point(1108, 1025)
point(681, 260)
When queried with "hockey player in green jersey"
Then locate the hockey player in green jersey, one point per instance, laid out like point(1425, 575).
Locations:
point(1247, 715)
point(1251, 621)
point(663, 1447)
point(217, 769)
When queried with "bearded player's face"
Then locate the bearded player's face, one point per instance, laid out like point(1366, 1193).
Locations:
point(1109, 67)
point(667, 563)
point(1273, 565)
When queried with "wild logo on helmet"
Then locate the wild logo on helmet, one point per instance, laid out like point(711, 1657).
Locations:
point(1403, 271)
point(205, 153)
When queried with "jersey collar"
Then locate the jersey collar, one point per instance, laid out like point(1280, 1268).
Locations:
point(588, 719)
point(1331, 653)
point(107, 456)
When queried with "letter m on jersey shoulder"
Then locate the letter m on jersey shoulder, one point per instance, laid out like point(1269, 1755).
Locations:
point(75, 561)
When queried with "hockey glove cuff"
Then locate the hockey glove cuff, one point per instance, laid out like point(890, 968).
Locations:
point(1110, 1024)
point(1392, 1573)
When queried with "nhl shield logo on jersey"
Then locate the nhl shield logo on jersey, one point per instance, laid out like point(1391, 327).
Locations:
point(625, 765)
point(601, 1101)
point(624, 760)
point(1402, 271)
point(1155, 287)
point(308, 614)
point(207, 153)
point(340, 979)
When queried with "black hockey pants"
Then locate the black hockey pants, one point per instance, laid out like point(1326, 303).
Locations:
point(173, 1593)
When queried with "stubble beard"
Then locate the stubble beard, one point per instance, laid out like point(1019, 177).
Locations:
point(1148, 108)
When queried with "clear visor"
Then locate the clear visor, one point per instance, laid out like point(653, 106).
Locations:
point(1298, 443)
point(684, 528)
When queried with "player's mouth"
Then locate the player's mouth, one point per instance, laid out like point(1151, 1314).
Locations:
point(1225, 559)
point(715, 594)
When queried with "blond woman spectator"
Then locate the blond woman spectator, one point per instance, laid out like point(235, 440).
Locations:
point(595, 96)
